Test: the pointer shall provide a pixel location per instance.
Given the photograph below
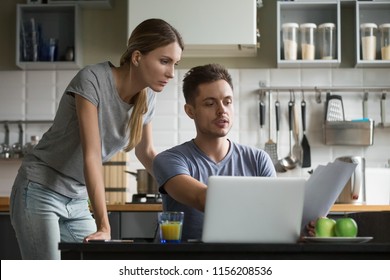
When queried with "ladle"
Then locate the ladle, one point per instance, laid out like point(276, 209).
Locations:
point(4, 148)
point(289, 162)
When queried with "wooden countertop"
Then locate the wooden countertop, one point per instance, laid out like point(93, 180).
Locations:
point(359, 208)
point(135, 207)
point(4, 207)
point(4, 204)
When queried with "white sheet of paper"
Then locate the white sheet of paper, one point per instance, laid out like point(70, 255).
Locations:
point(323, 187)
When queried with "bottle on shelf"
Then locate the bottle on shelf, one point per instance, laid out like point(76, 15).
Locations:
point(385, 40)
point(327, 40)
point(308, 32)
point(290, 40)
point(368, 37)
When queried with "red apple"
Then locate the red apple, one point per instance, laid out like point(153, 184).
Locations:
point(346, 227)
point(325, 227)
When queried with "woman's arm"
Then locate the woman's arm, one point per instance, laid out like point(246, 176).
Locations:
point(93, 168)
point(144, 151)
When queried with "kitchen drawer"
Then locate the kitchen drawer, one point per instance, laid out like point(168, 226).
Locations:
point(138, 225)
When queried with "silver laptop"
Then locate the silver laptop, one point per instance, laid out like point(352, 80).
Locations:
point(253, 209)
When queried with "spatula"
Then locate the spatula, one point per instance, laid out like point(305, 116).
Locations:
point(270, 146)
point(278, 166)
point(306, 155)
point(261, 115)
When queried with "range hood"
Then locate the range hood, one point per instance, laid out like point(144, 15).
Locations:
point(217, 28)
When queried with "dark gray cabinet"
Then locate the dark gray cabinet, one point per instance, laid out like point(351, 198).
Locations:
point(140, 226)
point(9, 248)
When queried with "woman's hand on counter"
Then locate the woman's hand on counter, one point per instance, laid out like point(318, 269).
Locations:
point(99, 235)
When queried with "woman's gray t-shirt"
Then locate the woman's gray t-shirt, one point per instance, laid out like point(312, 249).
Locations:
point(57, 160)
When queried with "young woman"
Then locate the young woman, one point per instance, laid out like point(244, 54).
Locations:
point(104, 109)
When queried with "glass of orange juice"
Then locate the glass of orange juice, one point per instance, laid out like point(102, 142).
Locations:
point(171, 224)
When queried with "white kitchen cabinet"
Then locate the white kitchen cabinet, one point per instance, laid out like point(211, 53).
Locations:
point(218, 28)
point(36, 24)
point(371, 12)
point(317, 12)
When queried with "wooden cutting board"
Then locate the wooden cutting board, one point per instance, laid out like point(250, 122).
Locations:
point(115, 179)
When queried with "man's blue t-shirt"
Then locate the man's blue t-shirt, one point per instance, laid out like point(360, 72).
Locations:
point(188, 159)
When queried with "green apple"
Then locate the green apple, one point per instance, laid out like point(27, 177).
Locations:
point(346, 227)
point(325, 227)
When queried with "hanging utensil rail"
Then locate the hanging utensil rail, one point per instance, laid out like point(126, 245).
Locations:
point(325, 89)
point(319, 90)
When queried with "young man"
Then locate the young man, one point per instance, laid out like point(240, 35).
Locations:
point(182, 172)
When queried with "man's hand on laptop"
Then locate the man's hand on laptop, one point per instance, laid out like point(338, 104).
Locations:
point(310, 228)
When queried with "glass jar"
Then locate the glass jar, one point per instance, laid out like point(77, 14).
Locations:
point(308, 31)
point(385, 40)
point(327, 40)
point(368, 36)
point(290, 40)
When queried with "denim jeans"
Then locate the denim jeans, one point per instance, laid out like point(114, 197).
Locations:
point(42, 218)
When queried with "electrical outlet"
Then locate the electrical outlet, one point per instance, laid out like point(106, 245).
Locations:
point(262, 84)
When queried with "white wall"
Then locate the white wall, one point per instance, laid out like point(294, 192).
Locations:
point(34, 95)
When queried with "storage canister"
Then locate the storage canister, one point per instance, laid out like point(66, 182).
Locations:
point(290, 40)
point(385, 40)
point(327, 40)
point(368, 36)
point(308, 33)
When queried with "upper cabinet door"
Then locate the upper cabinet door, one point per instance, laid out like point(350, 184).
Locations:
point(372, 48)
point(325, 16)
point(217, 28)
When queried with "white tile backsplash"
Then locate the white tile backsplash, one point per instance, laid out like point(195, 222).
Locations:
point(35, 95)
point(285, 77)
point(316, 77)
point(376, 77)
point(347, 77)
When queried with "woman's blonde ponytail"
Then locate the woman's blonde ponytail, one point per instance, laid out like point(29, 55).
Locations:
point(136, 120)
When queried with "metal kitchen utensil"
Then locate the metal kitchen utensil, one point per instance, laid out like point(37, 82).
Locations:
point(146, 184)
point(383, 109)
point(4, 148)
point(17, 148)
point(262, 110)
point(365, 101)
point(278, 166)
point(289, 162)
point(334, 108)
point(306, 154)
point(297, 149)
point(261, 115)
point(270, 146)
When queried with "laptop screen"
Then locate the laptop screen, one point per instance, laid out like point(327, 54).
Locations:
point(253, 209)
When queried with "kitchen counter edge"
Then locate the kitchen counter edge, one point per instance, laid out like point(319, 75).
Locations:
point(155, 207)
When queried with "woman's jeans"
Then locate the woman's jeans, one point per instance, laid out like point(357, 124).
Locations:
point(42, 218)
